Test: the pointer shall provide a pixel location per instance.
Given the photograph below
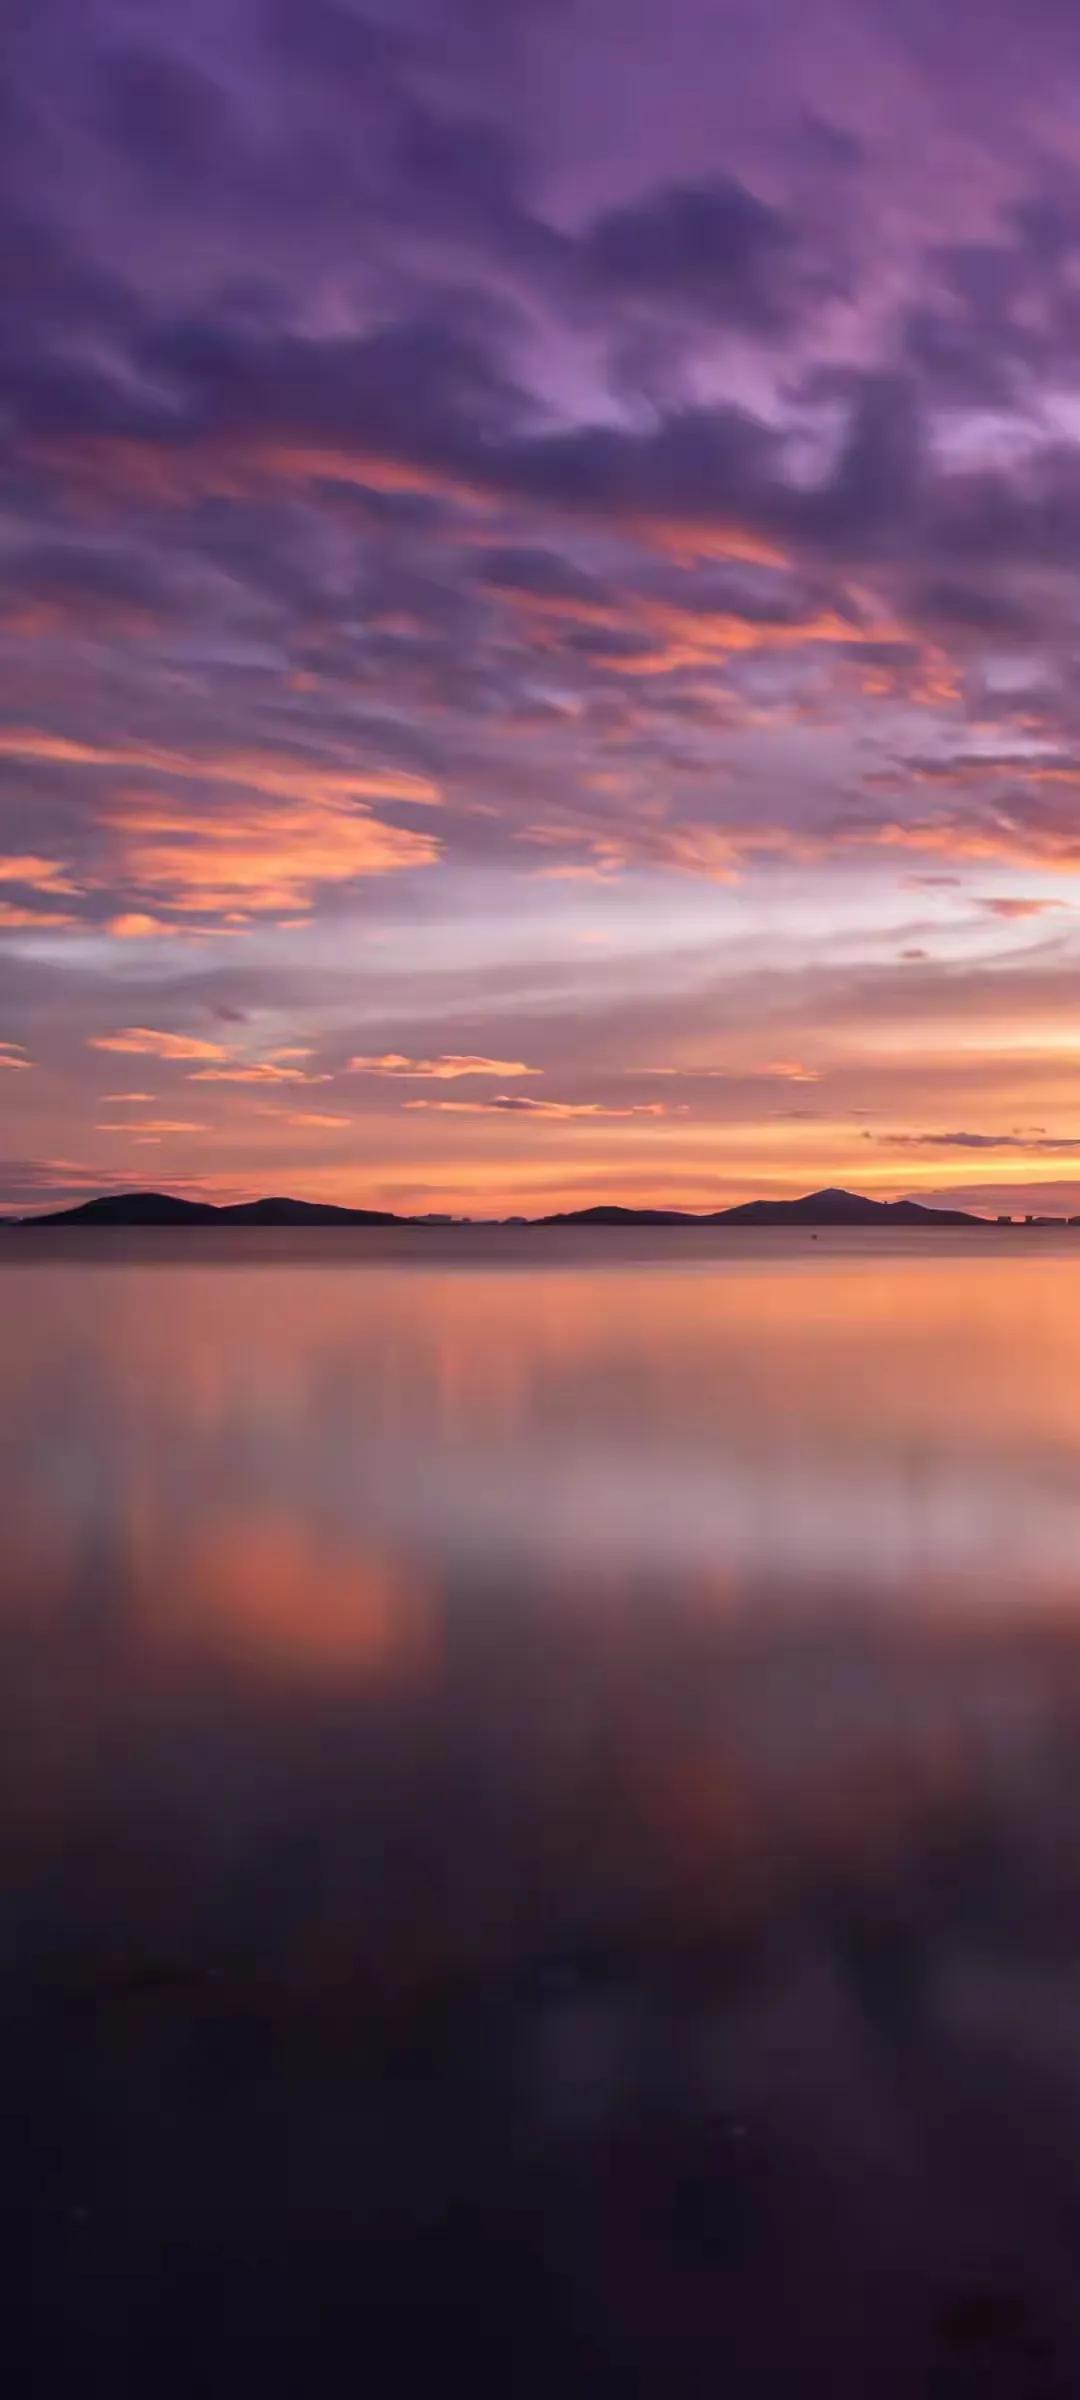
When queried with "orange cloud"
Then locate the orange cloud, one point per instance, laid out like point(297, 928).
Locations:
point(239, 466)
point(38, 874)
point(722, 853)
point(447, 1069)
point(260, 1071)
point(137, 928)
point(29, 920)
point(687, 543)
point(780, 1070)
point(719, 853)
point(279, 777)
point(303, 826)
point(953, 838)
point(144, 1126)
point(688, 637)
point(310, 1116)
point(257, 859)
point(13, 1054)
point(1009, 909)
point(507, 1104)
point(144, 1041)
point(298, 462)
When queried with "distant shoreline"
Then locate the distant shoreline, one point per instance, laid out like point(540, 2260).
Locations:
point(829, 1210)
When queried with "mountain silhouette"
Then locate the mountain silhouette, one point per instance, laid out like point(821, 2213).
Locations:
point(163, 1208)
point(609, 1214)
point(824, 1208)
point(829, 1207)
point(841, 1208)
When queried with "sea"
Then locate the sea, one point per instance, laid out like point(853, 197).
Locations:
point(541, 1812)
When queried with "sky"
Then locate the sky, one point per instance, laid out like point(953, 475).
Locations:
point(539, 604)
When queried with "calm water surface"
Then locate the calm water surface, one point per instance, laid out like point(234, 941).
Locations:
point(541, 1816)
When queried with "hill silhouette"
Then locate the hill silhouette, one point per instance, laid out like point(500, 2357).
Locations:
point(163, 1208)
point(825, 1208)
point(828, 1207)
point(842, 1208)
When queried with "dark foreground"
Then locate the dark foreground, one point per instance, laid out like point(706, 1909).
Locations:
point(542, 1823)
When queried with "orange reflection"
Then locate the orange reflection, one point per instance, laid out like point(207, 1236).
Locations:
point(259, 1583)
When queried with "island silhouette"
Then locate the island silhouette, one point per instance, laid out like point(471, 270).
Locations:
point(816, 1209)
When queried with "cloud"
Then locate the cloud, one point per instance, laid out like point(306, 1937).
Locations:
point(507, 1104)
point(278, 776)
point(45, 875)
point(712, 247)
point(447, 1069)
point(281, 830)
point(256, 861)
point(779, 1070)
point(13, 1054)
point(1042, 1146)
point(135, 927)
point(147, 1041)
point(256, 1071)
point(142, 1126)
point(1010, 908)
point(543, 578)
point(314, 1117)
point(32, 920)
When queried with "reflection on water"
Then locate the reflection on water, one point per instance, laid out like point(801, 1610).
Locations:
point(542, 1812)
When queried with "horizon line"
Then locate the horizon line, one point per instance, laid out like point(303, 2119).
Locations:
point(48, 1211)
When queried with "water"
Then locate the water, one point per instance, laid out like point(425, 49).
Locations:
point(541, 1827)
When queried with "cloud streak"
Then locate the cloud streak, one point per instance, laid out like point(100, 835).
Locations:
point(447, 1069)
point(146, 1041)
point(508, 1104)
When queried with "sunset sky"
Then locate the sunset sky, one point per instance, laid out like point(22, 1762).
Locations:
point(539, 601)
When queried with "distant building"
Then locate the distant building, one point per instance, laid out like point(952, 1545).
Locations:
point(1004, 1220)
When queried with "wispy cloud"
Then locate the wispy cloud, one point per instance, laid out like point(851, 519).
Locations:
point(774, 1070)
point(513, 1105)
point(147, 1041)
point(315, 1117)
point(45, 875)
point(135, 926)
point(142, 1126)
point(256, 860)
point(447, 1069)
point(276, 774)
point(1041, 1145)
point(258, 1071)
point(16, 919)
point(1010, 907)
